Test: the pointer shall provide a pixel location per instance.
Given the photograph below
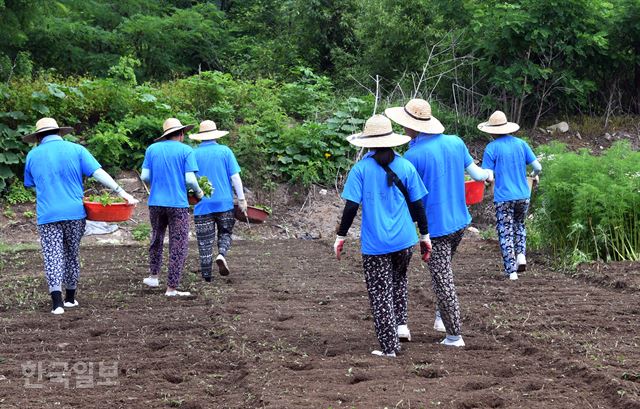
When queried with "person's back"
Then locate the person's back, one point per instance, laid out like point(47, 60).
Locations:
point(167, 162)
point(58, 178)
point(441, 161)
point(218, 163)
point(508, 157)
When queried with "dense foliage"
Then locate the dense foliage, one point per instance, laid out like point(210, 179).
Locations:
point(589, 206)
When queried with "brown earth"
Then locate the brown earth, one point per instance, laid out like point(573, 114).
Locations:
point(291, 328)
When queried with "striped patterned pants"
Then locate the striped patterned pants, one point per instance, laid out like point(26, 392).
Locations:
point(206, 234)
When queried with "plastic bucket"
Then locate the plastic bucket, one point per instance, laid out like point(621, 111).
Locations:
point(254, 214)
point(115, 212)
point(473, 191)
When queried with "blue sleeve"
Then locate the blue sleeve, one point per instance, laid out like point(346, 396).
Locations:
point(488, 161)
point(28, 178)
point(468, 160)
point(353, 188)
point(528, 153)
point(88, 162)
point(191, 165)
point(146, 164)
point(414, 184)
point(232, 164)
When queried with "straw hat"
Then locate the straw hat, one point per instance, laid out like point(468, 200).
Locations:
point(378, 133)
point(415, 115)
point(498, 124)
point(208, 131)
point(46, 125)
point(171, 126)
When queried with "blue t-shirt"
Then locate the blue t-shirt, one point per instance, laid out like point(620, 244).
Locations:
point(386, 222)
point(56, 167)
point(168, 161)
point(441, 161)
point(508, 158)
point(217, 163)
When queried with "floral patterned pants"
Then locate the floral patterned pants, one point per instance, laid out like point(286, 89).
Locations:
point(206, 232)
point(60, 250)
point(177, 219)
point(443, 249)
point(512, 235)
point(386, 277)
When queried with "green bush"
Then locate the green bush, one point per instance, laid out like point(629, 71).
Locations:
point(18, 194)
point(589, 206)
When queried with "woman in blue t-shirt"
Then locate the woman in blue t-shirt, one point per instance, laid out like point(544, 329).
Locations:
point(507, 158)
point(170, 166)
point(387, 232)
point(441, 161)
point(55, 168)
point(218, 163)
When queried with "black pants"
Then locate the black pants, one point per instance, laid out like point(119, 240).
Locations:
point(386, 277)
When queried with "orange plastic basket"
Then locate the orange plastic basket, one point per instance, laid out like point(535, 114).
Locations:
point(473, 191)
point(115, 212)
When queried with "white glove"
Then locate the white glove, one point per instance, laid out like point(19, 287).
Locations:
point(338, 245)
point(425, 247)
point(199, 194)
point(126, 196)
point(490, 177)
point(535, 177)
point(242, 204)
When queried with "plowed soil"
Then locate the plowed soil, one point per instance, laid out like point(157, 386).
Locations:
point(291, 328)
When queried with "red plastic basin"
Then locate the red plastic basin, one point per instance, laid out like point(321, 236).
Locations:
point(193, 200)
point(254, 214)
point(115, 212)
point(473, 191)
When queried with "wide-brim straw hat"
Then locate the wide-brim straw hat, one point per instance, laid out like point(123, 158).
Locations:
point(498, 124)
point(378, 133)
point(171, 126)
point(208, 131)
point(46, 125)
point(416, 115)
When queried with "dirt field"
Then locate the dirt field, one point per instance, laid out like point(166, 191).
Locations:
point(291, 328)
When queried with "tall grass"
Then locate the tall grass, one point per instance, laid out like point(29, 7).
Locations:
point(589, 206)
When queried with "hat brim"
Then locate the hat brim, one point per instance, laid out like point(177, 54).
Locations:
point(399, 116)
point(33, 137)
point(509, 127)
point(208, 135)
point(387, 141)
point(172, 131)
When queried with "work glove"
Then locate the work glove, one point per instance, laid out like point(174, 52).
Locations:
point(425, 247)
point(535, 178)
point(242, 204)
point(199, 194)
point(489, 179)
point(126, 196)
point(338, 245)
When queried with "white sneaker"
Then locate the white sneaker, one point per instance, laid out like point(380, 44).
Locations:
point(513, 276)
point(403, 333)
point(458, 343)
point(176, 293)
point(380, 353)
point(438, 325)
point(58, 311)
point(223, 267)
point(151, 281)
point(71, 304)
point(521, 263)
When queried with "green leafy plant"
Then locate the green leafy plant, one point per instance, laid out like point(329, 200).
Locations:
point(263, 207)
point(29, 214)
point(141, 232)
point(106, 199)
point(18, 194)
point(205, 185)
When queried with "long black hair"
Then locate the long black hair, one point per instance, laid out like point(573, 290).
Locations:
point(384, 157)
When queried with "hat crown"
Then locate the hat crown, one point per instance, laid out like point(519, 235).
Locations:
point(46, 123)
point(497, 118)
point(418, 108)
point(377, 125)
point(207, 126)
point(171, 123)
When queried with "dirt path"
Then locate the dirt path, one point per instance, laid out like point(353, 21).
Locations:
point(291, 328)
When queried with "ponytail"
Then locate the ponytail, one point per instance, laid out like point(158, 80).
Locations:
point(384, 157)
